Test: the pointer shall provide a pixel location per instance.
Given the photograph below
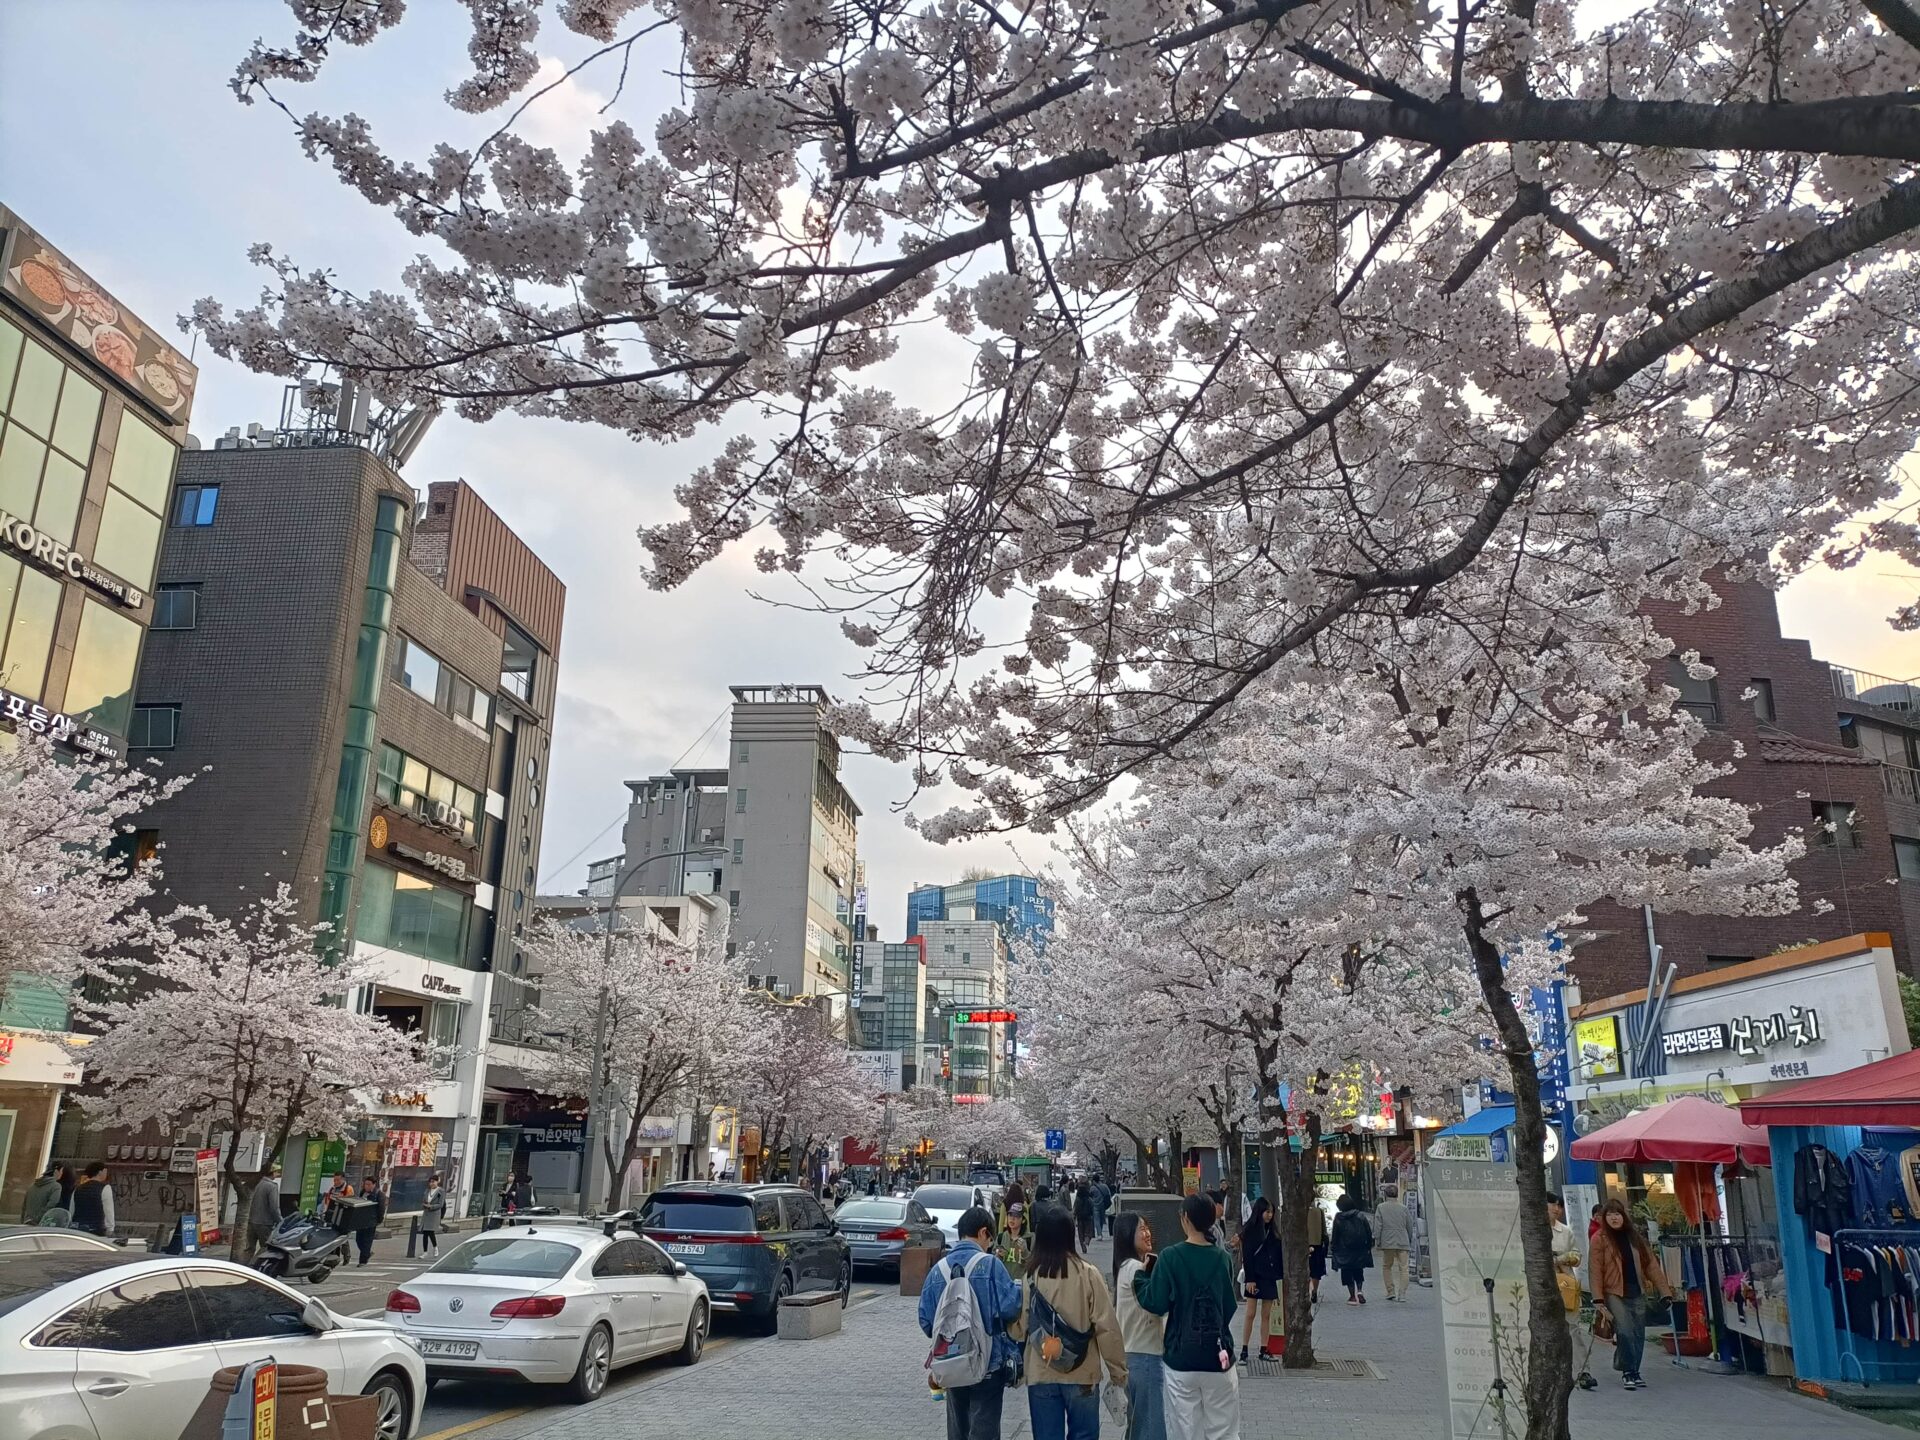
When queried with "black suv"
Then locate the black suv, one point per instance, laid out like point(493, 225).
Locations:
point(752, 1244)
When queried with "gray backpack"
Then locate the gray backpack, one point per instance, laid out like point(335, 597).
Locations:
point(962, 1348)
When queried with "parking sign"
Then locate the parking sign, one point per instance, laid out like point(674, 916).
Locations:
point(1056, 1140)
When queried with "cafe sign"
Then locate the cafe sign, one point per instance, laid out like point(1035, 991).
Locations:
point(42, 550)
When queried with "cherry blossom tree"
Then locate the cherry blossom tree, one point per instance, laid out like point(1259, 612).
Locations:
point(674, 1020)
point(1266, 324)
point(802, 1088)
point(69, 884)
point(241, 1026)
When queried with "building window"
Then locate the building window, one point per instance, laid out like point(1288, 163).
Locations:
point(743, 752)
point(411, 785)
point(420, 670)
point(146, 846)
point(29, 606)
point(154, 727)
point(100, 684)
point(740, 802)
point(406, 912)
point(517, 659)
point(176, 607)
point(733, 899)
point(52, 412)
point(1762, 699)
point(440, 685)
point(1906, 857)
point(1834, 824)
point(195, 504)
point(1728, 959)
point(1699, 698)
point(739, 851)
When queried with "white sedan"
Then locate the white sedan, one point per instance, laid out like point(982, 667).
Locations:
point(947, 1203)
point(104, 1346)
point(553, 1302)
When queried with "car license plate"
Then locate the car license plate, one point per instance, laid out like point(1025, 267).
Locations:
point(451, 1349)
point(686, 1249)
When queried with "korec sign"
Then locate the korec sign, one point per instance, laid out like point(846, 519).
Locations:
point(47, 553)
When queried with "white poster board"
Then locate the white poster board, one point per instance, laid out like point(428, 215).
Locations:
point(1473, 1227)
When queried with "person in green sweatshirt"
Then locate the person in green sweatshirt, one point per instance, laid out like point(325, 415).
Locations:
point(1191, 1283)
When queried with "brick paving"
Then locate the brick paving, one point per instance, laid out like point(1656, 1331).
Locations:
point(867, 1381)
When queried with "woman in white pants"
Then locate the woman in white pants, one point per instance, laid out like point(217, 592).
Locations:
point(1566, 1261)
point(1191, 1283)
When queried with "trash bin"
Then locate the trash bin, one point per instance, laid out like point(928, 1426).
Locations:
point(914, 1265)
point(302, 1411)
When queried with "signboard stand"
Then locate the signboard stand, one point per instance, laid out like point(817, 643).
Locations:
point(1479, 1270)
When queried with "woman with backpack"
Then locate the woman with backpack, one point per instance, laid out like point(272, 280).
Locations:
point(1191, 1283)
point(1068, 1327)
point(1260, 1272)
point(1143, 1333)
point(1352, 1247)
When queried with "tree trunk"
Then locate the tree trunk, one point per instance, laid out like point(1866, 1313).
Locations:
point(1176, 1175)
point(1548, 1380)
point(1289, 1185)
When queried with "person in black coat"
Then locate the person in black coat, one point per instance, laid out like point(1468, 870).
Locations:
point(372, 1210)
point(1261, 1269)
point(1352, 1247)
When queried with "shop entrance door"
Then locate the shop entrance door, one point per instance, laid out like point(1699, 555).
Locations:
point(492, 1166)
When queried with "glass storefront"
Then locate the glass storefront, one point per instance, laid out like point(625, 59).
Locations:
point(405, 912)
point(105, 655)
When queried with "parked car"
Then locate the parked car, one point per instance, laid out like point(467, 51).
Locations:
point(107, 1345)
point(878, 1231)
point(552, 1302)
point(753, 1244)
point(35, 1239)
point(947, 1203)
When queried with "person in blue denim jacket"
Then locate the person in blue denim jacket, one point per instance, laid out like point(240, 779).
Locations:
point(973, 1411)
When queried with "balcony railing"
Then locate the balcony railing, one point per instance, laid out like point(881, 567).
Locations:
point(518, 1025)
point(1901, 697)
point(1903, 783)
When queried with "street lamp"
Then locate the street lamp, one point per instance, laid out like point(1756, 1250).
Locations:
point(595, 1109)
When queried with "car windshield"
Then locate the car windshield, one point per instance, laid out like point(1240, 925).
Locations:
point(509, 1255)
point(944, 1197)
point(715, 1214)
point(25, 1276)
point(871, 1210)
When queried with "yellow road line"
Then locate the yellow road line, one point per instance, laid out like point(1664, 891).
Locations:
point(482, 1423)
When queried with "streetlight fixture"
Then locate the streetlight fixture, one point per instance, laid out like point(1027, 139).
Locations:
point(596, 1110)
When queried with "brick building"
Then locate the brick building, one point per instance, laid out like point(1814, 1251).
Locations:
point(1804, 767)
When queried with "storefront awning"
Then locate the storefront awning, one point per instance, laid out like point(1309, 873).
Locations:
point(1690, 1130)
point(1490, 1121)
point(1886, 1092)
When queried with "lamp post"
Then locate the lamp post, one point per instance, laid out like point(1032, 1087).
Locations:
point(595, 1100)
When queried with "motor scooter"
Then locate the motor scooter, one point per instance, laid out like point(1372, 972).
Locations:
point(304, 1247)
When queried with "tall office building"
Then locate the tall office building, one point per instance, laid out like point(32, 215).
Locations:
point(774, 832)
point(1012, 902)
point(93, 412)
point(367, 681)
point(967, 969)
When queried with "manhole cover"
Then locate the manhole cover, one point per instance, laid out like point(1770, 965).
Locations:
point(1322, 1369)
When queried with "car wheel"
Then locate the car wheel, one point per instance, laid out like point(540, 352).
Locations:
point(696, 1341)
point(770, 1322)
point(846, 1283)
point(392, 1411)
point(596, 1359)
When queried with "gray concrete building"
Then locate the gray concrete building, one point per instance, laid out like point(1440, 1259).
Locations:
point(966, 968)
point(367, 680)
point(774, 832)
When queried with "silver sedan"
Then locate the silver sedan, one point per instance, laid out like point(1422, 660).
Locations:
point(879, 1230)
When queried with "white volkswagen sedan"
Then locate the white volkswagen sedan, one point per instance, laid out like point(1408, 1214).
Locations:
point(107, 1346)
point(553, 1302)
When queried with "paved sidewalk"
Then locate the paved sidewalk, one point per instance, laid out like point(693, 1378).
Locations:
point(867, 1383)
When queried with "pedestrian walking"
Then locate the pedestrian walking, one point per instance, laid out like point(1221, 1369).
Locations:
point(1013, 1242)
point(1260, 1273)
point(373, 1209)
point(93, 1200)
point(973, 1411)
point(1352, 1246)
point(1142, 1333)
point(1068, 1329)
point(1102, 1200)
point(433, 1214)
point(1393, 1238)
point(1566, 1273)
point(1191, 1283)
point(1083, 1213)
point(44, 1194)
point(263, 1213)
point(1625, 1276)
point(1316, 1250)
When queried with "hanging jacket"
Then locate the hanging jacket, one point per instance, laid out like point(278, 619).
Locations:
point(1822, 1193)
point(1879, 1194)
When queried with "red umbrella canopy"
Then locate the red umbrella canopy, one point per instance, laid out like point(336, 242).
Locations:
point(1692, 1129)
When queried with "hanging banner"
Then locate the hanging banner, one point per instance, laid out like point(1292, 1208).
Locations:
point(206, 1189)
point(1473, 1224)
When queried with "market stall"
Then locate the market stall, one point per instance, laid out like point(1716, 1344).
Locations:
point(1699, 1140)
point(1848, 1187)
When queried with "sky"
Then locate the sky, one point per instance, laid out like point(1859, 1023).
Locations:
point(146, 170)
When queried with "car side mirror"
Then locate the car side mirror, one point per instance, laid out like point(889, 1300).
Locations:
point(679, 1267)
point(318, 1318)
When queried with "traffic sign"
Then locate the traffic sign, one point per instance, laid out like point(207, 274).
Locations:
point(1056, 1140)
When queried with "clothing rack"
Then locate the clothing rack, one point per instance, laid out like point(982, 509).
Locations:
point(1906, 1238)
